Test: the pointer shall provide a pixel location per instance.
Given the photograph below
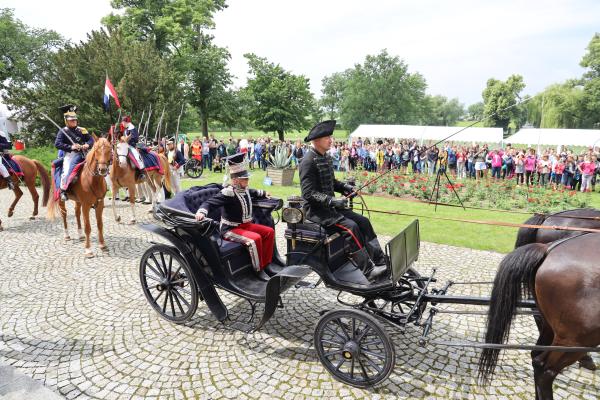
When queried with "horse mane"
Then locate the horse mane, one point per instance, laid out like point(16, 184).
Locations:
point(90, 155)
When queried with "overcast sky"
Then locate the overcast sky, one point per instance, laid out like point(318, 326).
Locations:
point(457, 45)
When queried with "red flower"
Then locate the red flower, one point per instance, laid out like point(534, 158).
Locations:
point(412, 180)
point(423, 188)
point(531, 200)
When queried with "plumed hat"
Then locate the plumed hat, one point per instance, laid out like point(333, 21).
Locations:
point(238, 166)
point(69, 111)
point(320, 130)
point(126, 118)
point(171, 140)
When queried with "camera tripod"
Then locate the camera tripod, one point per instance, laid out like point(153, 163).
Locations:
point(436, 187)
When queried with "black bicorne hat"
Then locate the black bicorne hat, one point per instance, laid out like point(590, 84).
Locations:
point(69, 111)
point(321, 129)
point(238, 166)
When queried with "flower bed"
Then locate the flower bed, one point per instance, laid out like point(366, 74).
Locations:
point(491, 194)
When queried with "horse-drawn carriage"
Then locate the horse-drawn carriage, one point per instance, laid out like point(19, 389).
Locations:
point(350, 342)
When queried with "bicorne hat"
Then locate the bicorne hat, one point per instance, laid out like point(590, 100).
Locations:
point(238, 166)
point(69, 111)
point(126, 118)
point(320, 130)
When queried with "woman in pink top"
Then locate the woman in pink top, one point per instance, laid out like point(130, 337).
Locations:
point(587, 169)
point(529, 167)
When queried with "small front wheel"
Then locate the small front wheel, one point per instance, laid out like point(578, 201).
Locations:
point(168, 283)
point(354, 347)
point(194, 169)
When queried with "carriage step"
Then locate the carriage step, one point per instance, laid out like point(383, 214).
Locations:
point(307, 285)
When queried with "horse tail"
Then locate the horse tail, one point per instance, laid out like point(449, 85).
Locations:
point(515, 277)
point(52, 209)
point(167, 170)
point(528, 235)
point(45, 178)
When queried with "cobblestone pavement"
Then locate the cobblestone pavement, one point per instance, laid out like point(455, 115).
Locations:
point(83, 328)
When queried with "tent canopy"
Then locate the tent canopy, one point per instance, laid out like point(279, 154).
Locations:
point(490, 135)
point(545, 136)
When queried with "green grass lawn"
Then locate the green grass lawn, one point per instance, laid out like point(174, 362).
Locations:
point(481, 237)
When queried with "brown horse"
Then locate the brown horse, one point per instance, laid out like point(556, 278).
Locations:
point(577, 218)
point(122, 174)
point(30, 169)
point(564, 280)
point(87, 192)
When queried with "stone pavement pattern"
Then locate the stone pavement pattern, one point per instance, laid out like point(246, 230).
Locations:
point(82, 328)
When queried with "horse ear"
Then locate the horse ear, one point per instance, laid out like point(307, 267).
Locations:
point(95, 137)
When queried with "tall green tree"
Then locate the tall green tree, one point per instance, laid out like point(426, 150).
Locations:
point(76, 75)
point(475, 111)
point(442, 111)
point(591, 83)
point(558, 106)
point(382, 91)
point(332, 92)
point(25, 52)
point(282, 101)
point(500, 99)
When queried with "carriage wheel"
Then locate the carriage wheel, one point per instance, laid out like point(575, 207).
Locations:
point(194, 170)
point(413, 273)
point(168, 283)
point(354, 347)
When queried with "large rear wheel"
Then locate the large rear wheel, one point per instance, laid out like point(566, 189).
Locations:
point(354, 347)
point(193, 168)
point(168, 283)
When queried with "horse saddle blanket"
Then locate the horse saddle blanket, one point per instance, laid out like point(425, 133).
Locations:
point(72, 175)
point(151, 161)
point(11, 164)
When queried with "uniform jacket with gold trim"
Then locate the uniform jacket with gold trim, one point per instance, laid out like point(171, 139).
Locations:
point(236, 203)
point(318, 185)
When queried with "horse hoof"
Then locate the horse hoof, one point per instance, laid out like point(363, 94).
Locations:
point(118, 219)
point(1, 229)
point(88, 254)
point(132, 222)
point(587, 363)
point(32, 218)
point(10, 214)
point(67, 238)
point(104, 248)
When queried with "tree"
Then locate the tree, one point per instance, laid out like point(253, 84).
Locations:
point(208, 79)
point(76, 75)
point(332, 91)
point(281, 101)
point(591, 83)
point(382, 91)
point(443, 111)
point(475, 111)
point(500, 99)
point(558, 106)
point(167, 24)
point(24, 52)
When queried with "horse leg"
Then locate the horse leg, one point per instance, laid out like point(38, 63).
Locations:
point(34, 194)
point(63, 213)
point(115, 191)
point(587, 362)
point(88, 230)
point(131, 189)
point(537, 357)
point(78, 218)
point(100, 225)
point(553, 363)
point(18, 194)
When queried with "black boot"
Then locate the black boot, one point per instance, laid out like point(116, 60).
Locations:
point(362, 261)
point(9, 183)
point(375, 272)
point(63, 195)
point(142, 175)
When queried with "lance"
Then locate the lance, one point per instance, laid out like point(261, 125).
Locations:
point(371, 181)
point(146, 127)
point(178, 119)
point(157, 134)
point(141, 129)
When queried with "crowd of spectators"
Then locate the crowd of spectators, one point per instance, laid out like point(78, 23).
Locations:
point(550, 167)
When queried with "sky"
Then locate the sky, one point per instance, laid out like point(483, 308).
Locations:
point(456, 45)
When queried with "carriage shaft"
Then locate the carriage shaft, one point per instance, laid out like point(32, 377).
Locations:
point(469, 300)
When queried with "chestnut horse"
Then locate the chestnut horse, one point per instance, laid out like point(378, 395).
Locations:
point(87, 192)
point(30, 169)
point(564, 279)
point(577, 218)
point(122, 174)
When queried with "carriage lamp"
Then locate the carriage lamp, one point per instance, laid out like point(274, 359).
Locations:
point(292, 215)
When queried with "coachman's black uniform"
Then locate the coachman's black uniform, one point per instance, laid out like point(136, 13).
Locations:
point(318, 185)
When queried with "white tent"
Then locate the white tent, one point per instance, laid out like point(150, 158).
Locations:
point(423, 133)
point(545, 136)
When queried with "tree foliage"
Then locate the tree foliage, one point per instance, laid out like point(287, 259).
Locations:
point(382, 91)
point(282, 101)
point(500, 99)
point(332, 92)
point(444, 112)
point(475, 111)
point(76, 75)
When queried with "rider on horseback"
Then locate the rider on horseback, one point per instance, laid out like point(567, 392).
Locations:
point(131, 136)
point(73, 141)
point(5, 145)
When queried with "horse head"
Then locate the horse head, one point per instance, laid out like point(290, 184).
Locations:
point(99, 157)
point(122, 152)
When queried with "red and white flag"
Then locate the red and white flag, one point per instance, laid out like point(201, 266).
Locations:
point(109, 91)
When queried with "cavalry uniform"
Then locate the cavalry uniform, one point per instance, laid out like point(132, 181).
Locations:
point(236, 217)
point(318, 185)
point(176, 161)
point(133, 137)
point(5, 145)
point(65, 138)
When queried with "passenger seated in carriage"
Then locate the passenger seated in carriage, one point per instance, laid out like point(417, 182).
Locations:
point(236, 217)
point(318, 184)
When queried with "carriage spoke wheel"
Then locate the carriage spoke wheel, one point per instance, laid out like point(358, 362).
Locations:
point(168, 284)
point(194, 170)
point(354, 347)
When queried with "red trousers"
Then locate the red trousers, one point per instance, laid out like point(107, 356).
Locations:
point(259, 239)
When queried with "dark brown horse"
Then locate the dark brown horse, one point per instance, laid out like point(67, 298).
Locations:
point(30, 169)
point(564, 280)
point(578, 218)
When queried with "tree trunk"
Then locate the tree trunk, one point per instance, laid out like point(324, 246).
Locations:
point(204, 126)
point(280, 134)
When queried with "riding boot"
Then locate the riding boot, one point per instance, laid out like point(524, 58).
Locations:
point(361, 260)
point(142, 175)
point(63, 195)
point(9, 183)
point(377, 255)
